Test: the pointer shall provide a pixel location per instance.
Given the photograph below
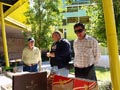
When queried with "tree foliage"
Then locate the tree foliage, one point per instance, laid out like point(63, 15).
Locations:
point(117, 18)
point(97, 26)
point(42, 16)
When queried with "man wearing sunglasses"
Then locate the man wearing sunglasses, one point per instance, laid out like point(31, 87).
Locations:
point(87, 53)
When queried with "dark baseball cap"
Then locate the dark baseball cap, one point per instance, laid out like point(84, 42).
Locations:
point(31, 39)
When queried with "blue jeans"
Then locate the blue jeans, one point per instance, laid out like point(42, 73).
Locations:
point(33, 68)
point(61, 71)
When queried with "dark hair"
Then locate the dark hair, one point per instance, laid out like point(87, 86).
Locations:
point(79, 24)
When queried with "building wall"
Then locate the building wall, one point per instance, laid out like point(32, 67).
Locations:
point(15, 47)
point(73, 14)
point(15, 42)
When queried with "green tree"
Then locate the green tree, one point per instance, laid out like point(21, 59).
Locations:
point(97, 26)
point(117, 19)
point(42, 15)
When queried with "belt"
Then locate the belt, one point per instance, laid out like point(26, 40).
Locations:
point(30, 64)
point(86, 67)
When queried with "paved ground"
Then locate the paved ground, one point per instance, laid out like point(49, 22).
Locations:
point(103, 62)
point(46, 67)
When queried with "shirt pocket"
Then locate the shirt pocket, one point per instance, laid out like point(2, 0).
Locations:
point(35, 54)
point(88, 51)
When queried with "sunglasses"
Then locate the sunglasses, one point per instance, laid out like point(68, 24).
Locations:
point(78, 31)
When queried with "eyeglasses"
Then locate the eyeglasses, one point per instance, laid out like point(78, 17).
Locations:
point(78, 31)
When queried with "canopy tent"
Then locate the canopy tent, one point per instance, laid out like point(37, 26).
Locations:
point(12, 15)
point(14, 12)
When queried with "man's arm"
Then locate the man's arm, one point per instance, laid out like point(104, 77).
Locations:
point(97, 52)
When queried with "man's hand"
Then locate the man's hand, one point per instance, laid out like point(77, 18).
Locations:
point(39, 65)
point(50, 54)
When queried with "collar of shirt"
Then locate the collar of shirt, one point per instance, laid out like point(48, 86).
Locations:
point(86, 37)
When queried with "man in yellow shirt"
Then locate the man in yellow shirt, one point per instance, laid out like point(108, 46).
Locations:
point(31, 57)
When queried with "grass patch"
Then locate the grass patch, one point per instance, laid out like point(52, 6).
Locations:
point(104, 78)
point(103, 74)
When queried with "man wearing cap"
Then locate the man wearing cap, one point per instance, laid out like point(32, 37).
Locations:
point(31, 57)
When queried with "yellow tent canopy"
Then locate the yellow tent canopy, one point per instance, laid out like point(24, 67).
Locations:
point(12, 14)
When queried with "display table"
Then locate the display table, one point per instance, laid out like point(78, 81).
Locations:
point(23, 81)
point(40, 81)
point(6, 80)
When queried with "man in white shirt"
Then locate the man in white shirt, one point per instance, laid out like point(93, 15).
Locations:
point(87, 53)
point(31, 57)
